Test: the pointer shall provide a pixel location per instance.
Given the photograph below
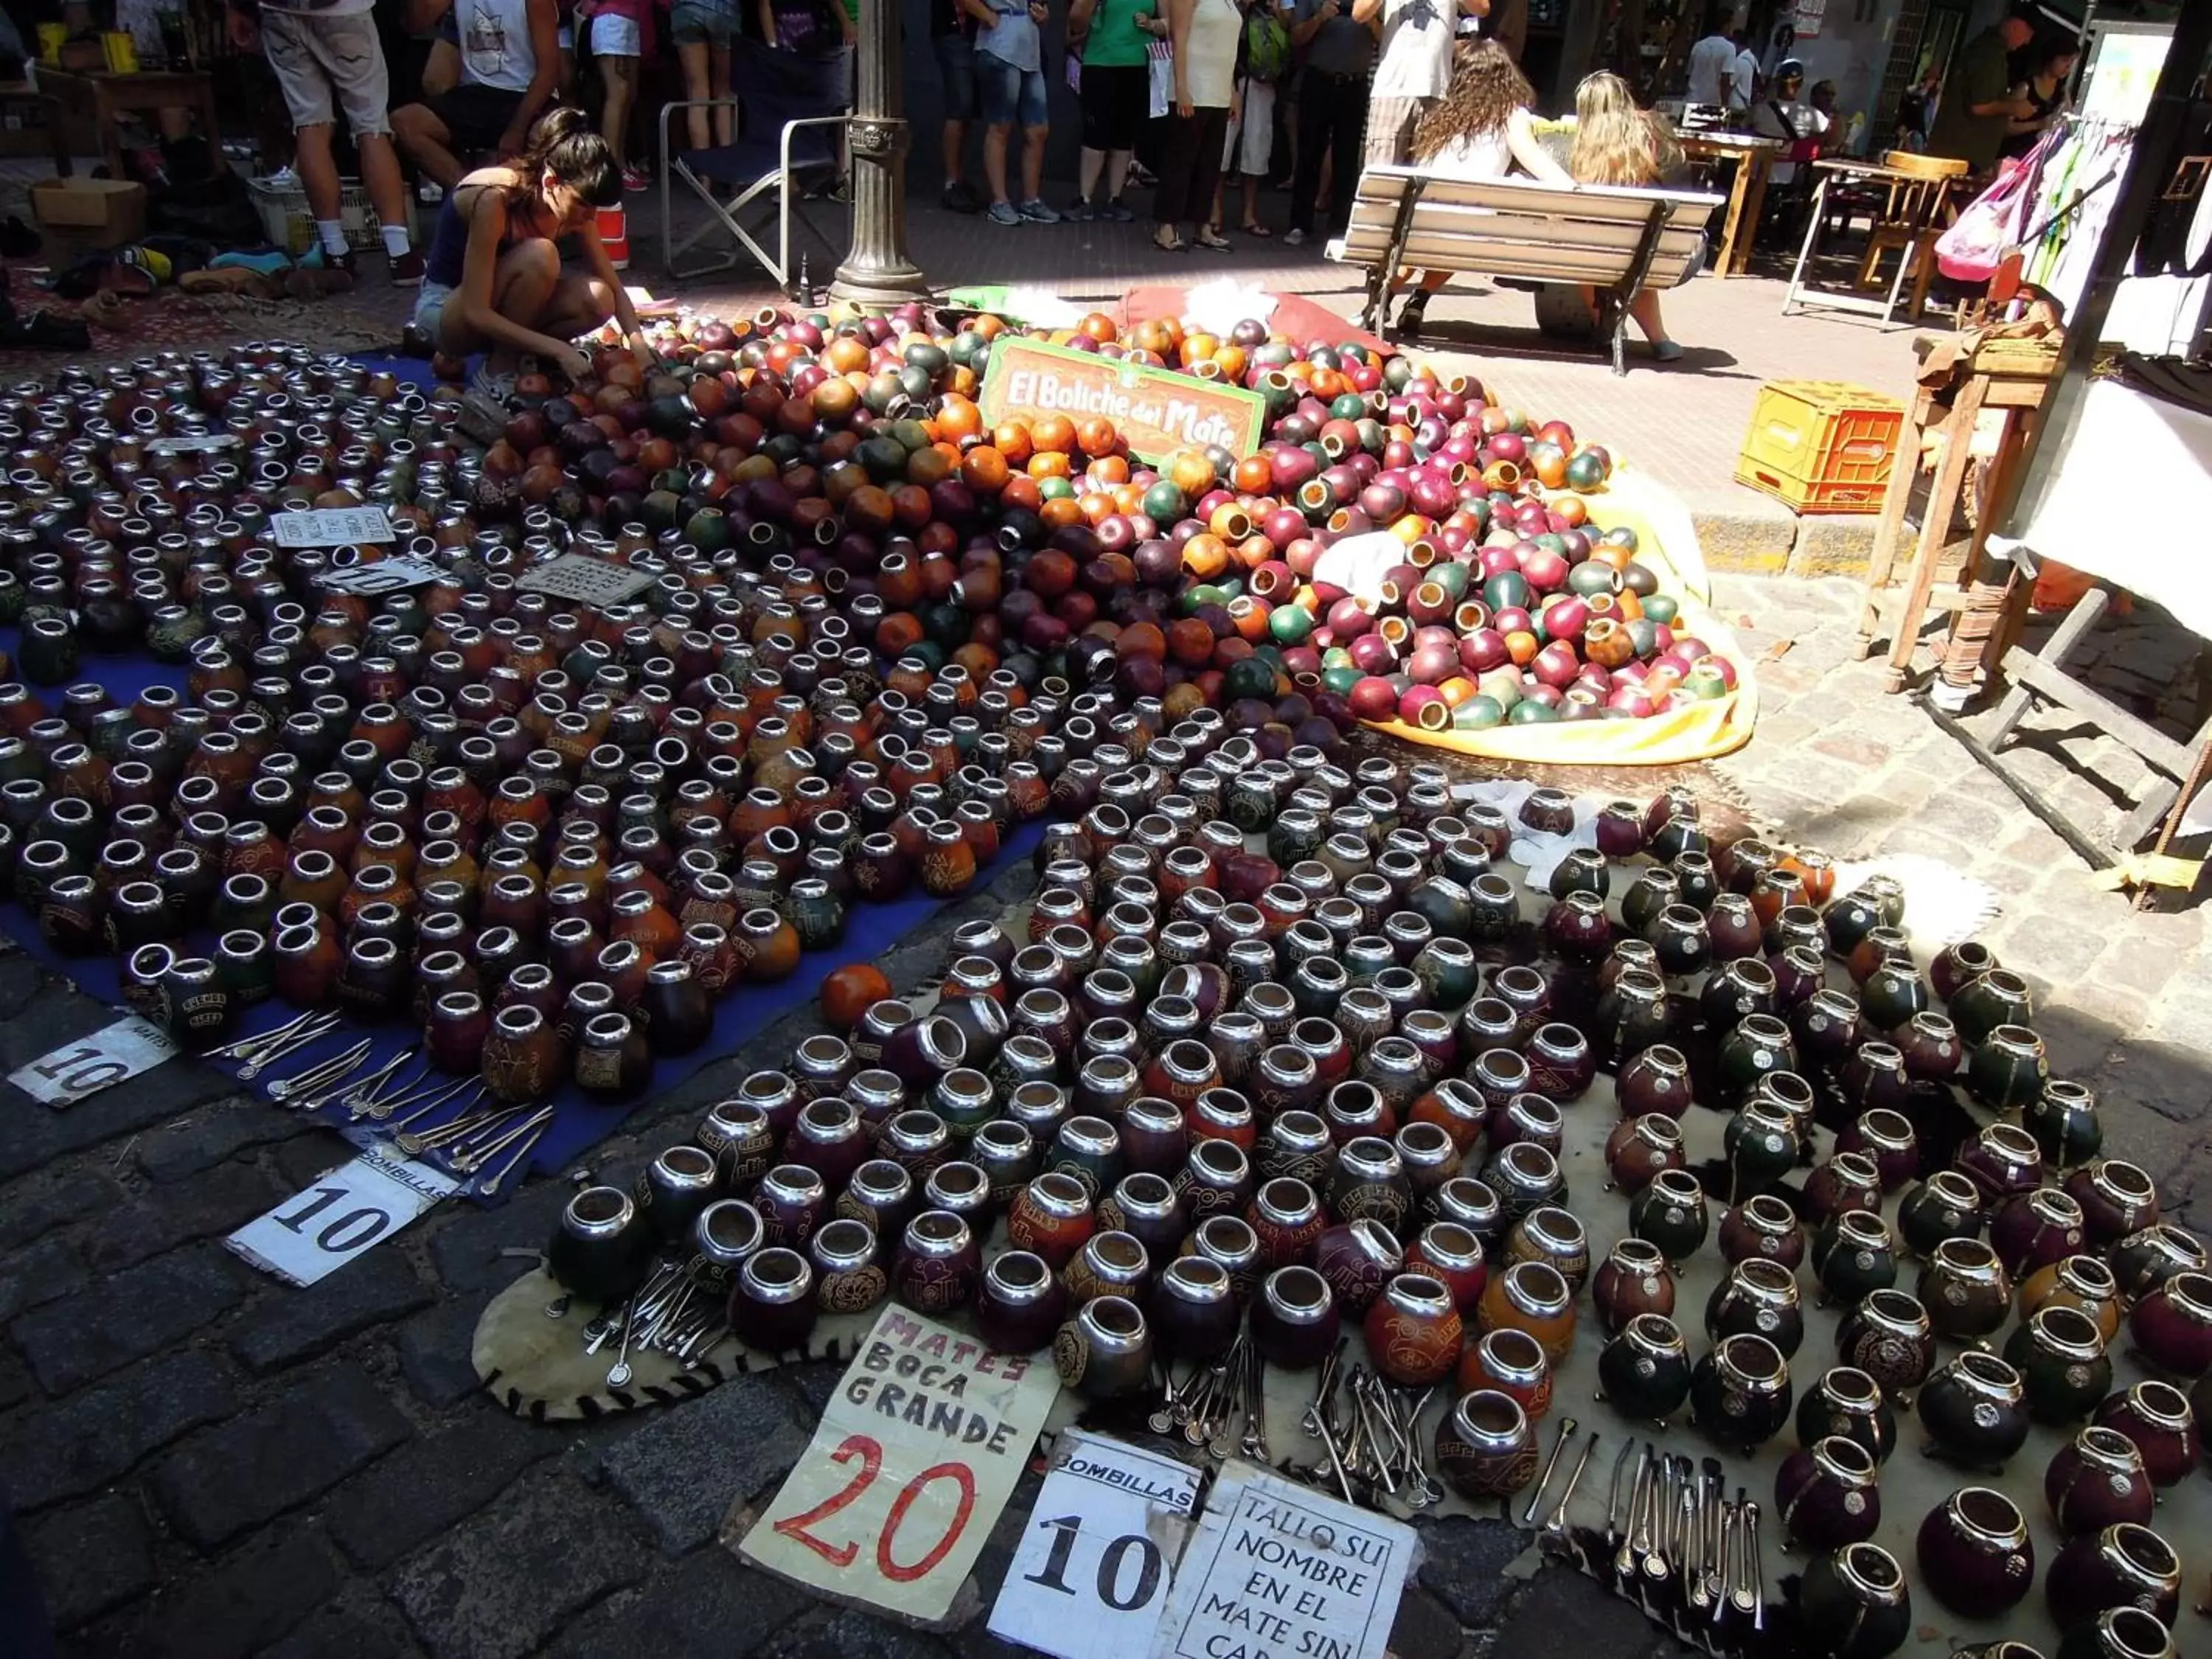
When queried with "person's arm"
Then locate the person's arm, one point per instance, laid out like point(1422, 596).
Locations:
point(767, 23)
point(544, 75)
point(245, 27)
point(1180, 13)
point(595, 256)
point(1079, 20)
point(421, 16)
point(982, 11)
point(1529, 153)
point(1304, 28)
point(1368, 12)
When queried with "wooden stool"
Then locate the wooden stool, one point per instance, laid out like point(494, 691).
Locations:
point(1910, 220)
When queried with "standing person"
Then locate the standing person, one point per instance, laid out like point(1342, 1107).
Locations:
point(703, 30)
point(1262, 64)
point(1414, 71)
point(1481, 129)
point(1711, 61)
point(2049, 67)
point(952, 41)
point(1978, 105)
point(1743, 73)
point(1617, 143)
point(495, 284)
point(1117, 95)
point(1205, 33)
point(621, 31)
point(1784, 114)
point(1339, 51)
point(318, 54)
point(510, 61)
point(1009, 74)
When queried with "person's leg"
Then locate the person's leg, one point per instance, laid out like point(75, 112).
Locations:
point(424, 138)
point(718, 73)
point(1205, 184)
point(577, 306)
point(354, 57)
point(619, 82)
point(1117, 175)
point(956, 70)
point(994, 160)
point(1036, 127)
point(1644, 308)
point(1172, 201)
point(691, 57)
point(1344, 155)
point(1317, 105)
point(998, 88)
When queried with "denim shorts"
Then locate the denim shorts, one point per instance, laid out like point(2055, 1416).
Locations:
point(1010, 96)
point(691, 22)
point(955, 68)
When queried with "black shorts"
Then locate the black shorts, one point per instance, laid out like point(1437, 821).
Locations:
point(1115, 102)
point(476, 116)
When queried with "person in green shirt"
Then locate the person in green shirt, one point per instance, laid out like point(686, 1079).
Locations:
point(1116, 94)
point(1978, 106)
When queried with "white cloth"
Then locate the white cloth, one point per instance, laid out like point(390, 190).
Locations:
point(496, 44)
point(1209, 70)
point(1417, 49)
point(617, 37)
point(1743, 79)
point(1251, 144)
point(2124, 434)
point(1711, 60)
point(1474, 156)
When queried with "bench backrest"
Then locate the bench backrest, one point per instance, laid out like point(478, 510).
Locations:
point(1519, 228)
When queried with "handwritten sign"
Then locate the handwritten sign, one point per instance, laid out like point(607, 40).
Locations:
point(332, 527)
point(1157, 410)
point(193, 443)
point(1278, 1572)
point(382, 576)
point(587, 580)
point(1091, 1577)
point(351, 1210)
point(917, 1453)
point(106, 1057)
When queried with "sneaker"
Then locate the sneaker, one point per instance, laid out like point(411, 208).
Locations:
point(320, 258)
point(1117, 211)
point(636, 179)
point(430, 190)
point(1294, 238)
point(1003, 213)
point(1037, 213)
point(1079, 212)
point(405, 271)
point(960, 197)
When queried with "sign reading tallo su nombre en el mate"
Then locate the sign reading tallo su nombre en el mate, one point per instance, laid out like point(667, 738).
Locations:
point(1156, 411)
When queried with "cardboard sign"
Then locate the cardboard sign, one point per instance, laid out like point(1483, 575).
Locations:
point(197, 443)
point(1157, 410)
point(1278, 1570)
point(106, 1057)
point(586, 579)
point(917, 1453)
point(1091, 1577)
point(351, 1210)
point(382, 576)
point(332, 527)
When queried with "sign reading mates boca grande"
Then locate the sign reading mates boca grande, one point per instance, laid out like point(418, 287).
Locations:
point(1157, 410)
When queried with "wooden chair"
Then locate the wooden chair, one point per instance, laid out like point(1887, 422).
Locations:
point(1910, 219)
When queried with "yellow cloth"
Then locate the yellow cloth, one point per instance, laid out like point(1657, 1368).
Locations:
point(1668, 547)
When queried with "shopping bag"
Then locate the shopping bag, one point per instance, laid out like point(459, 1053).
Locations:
point(1990, 227)
point(1159, 59)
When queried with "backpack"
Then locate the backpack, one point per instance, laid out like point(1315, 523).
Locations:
point(1266, 48)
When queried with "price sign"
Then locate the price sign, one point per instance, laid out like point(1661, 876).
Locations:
point(382, 576)
point(332, 527)
point(129, 1046)
point(580, 577)
point(917, 1453)
point(1278, 1569)
point(353, 1208)
point(1090, 1579)
point(194, 443)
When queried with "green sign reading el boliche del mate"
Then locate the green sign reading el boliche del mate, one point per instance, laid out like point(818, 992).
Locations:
point(1156, 411)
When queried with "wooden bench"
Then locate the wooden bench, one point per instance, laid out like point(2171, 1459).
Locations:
point(1617, 240)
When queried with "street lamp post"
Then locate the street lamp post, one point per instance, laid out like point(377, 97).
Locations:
point(877, 272)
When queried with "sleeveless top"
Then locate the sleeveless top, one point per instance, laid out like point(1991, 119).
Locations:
point(449, 239)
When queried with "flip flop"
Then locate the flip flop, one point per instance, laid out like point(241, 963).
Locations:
point(1261, 231)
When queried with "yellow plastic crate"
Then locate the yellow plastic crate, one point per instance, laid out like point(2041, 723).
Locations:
point(1821, 445)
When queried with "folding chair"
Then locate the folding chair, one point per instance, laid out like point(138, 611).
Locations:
point(786, 105)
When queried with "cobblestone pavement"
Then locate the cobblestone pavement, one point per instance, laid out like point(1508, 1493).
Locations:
point(206, 1462)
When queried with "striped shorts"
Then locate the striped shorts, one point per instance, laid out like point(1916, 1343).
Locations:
point(1390, 129)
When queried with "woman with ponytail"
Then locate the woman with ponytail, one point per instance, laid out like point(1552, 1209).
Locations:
point(494, 281)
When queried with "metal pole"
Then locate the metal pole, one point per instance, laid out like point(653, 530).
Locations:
point(877, 272)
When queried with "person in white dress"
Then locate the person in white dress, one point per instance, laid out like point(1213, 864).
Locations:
point(1480, 129)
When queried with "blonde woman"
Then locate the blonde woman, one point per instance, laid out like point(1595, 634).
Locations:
point(1480, 129)
point(1617, 142)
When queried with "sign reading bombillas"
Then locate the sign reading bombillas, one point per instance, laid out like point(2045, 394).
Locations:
point(1156, 411)
point(916, 1454)
point(1278, 1572)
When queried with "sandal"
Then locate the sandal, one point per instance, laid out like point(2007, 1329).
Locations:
point(1167, 241)
point(1261, 231)
point(1212, 243)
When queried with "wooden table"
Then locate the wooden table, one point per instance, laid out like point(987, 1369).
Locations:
point(1754, 157)
point(1934, 210)
point(16, 92)
point(104, 96)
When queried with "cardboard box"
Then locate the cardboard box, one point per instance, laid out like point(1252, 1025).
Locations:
point(92, 212)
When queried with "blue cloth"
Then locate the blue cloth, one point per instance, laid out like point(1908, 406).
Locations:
point(1013, 38)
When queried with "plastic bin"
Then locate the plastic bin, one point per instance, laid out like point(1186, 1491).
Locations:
point(1821, 445)
point(285, 221)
